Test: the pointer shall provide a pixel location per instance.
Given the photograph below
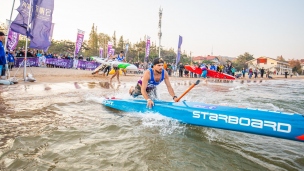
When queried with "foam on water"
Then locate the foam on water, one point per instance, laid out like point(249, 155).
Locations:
point(155, 121)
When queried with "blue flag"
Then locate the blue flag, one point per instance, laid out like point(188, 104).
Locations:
point(19, 25)
point(180, 41)
point(42, 24)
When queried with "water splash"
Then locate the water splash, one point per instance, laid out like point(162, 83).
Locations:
point(158, 123)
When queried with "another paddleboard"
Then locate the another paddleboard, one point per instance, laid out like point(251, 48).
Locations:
point(131, 67)
point(210, 73)
point(123, 65)
point(100, 68)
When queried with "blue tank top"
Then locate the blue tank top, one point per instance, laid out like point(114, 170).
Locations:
point(152, 83)
point(120, 58)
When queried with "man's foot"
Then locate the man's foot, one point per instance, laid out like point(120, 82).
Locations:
point(131, 90)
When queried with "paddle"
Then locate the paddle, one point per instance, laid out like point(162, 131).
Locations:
point(196, 83)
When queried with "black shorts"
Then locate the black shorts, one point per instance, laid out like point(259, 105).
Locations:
point(115, 68)
point(137, 92)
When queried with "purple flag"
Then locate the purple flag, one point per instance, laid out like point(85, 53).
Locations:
point(12, 40)
point(180, 41)
point(19, 25)
point(112, 51)
point(147, 49)
point(109, 49)
point(42, 24)
point(100, 52)
point(80, 36)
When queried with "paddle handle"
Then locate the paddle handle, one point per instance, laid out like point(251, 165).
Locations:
point(196, 83)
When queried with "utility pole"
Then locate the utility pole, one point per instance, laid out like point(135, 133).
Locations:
point(159, 26)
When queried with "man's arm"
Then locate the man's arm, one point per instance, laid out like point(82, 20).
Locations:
point(145, 79)
point(169, 87)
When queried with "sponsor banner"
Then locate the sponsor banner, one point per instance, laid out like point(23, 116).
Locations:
point(87, 65)
point(64, 63)
point(12, 40)
point(19, 25)
point(100, 52)
point(79, 40)
point(112, 51)
point(180, 41)
point(29, 62)
point(109, 49)
point(42, 24)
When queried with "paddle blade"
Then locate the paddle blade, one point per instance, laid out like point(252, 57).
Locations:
point(196, 83)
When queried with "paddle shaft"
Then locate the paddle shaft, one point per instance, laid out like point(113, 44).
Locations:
point(197, 82)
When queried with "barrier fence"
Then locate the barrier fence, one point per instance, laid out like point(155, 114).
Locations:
point(63, 63)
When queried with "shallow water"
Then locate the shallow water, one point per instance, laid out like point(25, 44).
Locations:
point(63, 126)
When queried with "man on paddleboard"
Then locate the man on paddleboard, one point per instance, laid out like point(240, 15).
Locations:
point(151, 78)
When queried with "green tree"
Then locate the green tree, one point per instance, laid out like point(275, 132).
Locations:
point(280, 58)
point(114, 40)
point(295, 65)
point(120, 46)
point(241, 60)
point(93, 49)
point(103, 40)
point(65, 47)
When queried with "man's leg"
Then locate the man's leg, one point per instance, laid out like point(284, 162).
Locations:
point(117, 73)
point(113, 75)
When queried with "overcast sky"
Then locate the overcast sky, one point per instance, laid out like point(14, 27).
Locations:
point(230, 27)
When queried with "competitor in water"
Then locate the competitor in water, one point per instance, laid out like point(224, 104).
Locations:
point(204, 73)
point(119, 58)
point(151, 78)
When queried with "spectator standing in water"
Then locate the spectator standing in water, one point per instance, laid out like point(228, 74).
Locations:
point(262, 72)
point(181, 69)
point(250, 72)
point(243, 72)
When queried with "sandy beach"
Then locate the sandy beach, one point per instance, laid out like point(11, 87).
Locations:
point(54, 75)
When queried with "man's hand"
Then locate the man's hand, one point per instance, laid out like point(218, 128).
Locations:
point(150, 103)
point(175, 98)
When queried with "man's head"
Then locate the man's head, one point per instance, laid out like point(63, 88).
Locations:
point(158, 64)
point(121, 53)
point(2, 36)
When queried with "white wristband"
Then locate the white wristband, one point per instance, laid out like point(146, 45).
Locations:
point(149, 99)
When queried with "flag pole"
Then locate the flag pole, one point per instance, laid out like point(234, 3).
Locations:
point(26, 42)
point(9, 26)
point(6, 38)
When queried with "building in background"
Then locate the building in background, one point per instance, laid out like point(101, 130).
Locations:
point(273, 65)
